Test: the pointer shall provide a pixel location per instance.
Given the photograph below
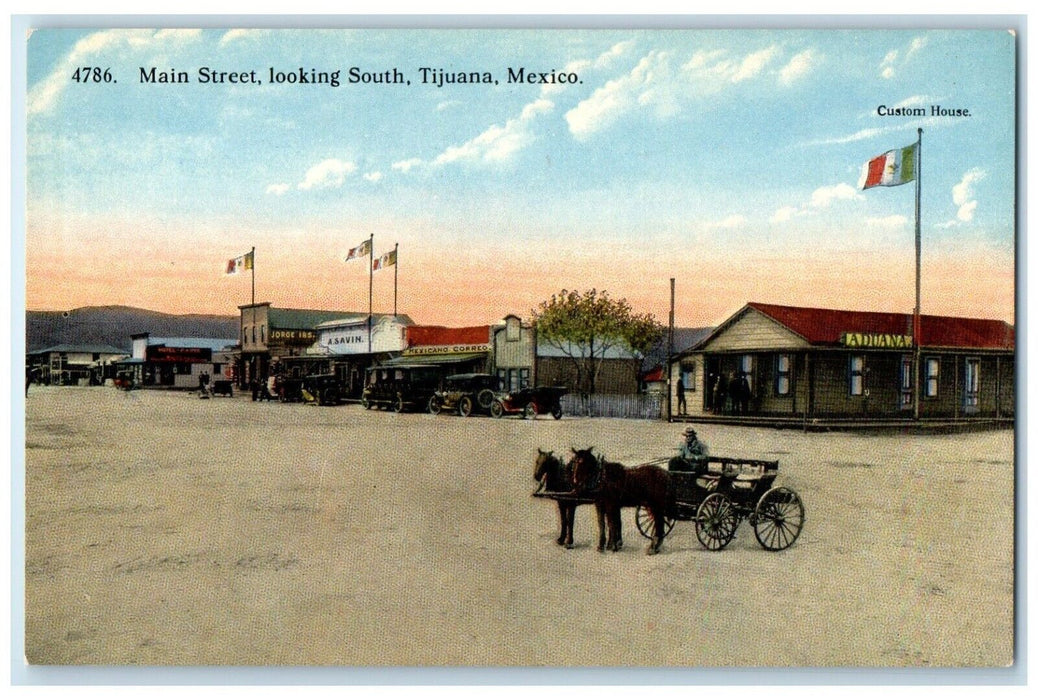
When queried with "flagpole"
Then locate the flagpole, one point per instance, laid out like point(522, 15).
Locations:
point(371, 282)
point(916, 320)
point(396, 269)
point(252, 369)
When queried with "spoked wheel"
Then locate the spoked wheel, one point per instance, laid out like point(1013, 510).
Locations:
point(716, 521)
point(497, 409)
point(556, 411)
point(485, 398)
point(435, 406)
point(398, 405)
point(465, 406)
point(647, 525)
point(530, 410)
point(778, 518)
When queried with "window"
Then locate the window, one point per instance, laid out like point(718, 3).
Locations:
point(972, 387)
point(907, 370)
point(746, 367)
point(856, 375)
point(688, 376)
point(263, 334)
point(783, 370)
point(933, 372)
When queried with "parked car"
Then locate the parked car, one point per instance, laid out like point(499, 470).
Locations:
point(401, 387)
point(325, 389)
point(466, 393)
point(124, 380)
point(530, 402)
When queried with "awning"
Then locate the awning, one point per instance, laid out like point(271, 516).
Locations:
point(444, 359)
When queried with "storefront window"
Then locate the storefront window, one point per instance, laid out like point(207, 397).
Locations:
point(933, 369)
point(782, 375)
point(972, 382)
point(856, 375)
point(906, 381)
point(746, 367)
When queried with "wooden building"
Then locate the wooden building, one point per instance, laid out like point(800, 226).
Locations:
point(810, 363)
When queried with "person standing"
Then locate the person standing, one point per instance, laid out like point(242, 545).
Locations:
point(681, 395)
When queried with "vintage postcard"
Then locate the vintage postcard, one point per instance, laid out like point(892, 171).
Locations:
point(379, 347)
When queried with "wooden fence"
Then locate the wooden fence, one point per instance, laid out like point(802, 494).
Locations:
point(648, 406)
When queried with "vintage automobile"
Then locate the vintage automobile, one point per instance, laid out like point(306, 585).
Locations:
point(322, 389)
point(400, 387)
point(124, 380)
point(530, 402)
point(465, 393)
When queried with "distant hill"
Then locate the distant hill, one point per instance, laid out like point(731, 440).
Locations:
point(113, 325)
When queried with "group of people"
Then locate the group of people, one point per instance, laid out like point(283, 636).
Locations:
point(729, 393)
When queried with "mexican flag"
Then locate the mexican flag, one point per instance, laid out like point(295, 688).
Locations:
point(892, 168)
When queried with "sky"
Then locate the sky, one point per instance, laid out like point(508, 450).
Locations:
point(725, 159)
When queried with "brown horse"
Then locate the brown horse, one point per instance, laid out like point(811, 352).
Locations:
point(555, 476)
point(614, 486)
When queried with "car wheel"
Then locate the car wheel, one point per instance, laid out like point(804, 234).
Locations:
point(435, 406)
point(465, 406)
point(497, 409)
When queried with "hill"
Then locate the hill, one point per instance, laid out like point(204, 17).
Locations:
point(113, 325)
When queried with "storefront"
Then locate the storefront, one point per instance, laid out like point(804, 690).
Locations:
point(781, 361)
point(455, 350)
point(271, 334)
point(177, 363)
point(515, 354)
point(347, 347)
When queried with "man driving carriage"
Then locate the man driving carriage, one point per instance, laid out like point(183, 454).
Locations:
point(692, 454)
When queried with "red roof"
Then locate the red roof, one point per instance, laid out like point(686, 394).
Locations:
point(418, 336)
point(825, 326)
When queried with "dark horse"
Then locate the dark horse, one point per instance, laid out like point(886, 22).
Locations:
point(614, 486)
point(555, 476)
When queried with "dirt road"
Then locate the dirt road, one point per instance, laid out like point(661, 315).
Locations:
point(162, 529)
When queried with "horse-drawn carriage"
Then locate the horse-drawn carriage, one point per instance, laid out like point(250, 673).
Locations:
point(722, 493)
point(717, 495)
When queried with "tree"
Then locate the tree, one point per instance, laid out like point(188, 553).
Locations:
point(584, 326)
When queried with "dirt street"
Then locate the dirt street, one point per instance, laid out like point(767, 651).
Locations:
point(164, 529)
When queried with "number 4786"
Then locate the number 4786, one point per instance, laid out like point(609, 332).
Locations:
point(93, 74)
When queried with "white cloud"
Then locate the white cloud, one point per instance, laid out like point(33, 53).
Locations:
point(278, 188)
point(373, 176)
point(783, 215)
point(615, 51)
point(729, 222)
point(798, 66)
point(753, 64)
point(331, 172)
point(963, 193)
point(893, 62)
point(498, 143)
point(646, 84)
point(239, 34)
point(825, 196)
point(406, 166)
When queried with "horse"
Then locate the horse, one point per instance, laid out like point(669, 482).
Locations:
point(614, 486)
point(554, 475)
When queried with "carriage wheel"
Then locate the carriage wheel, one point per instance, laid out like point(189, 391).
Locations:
point(485, 398)
point(647, 526)
point(530, 410)
point(778, 518)
point(398, 405)
point(497, 409)
point(556, 411)
point(716, 521)
point(435, 406)
point(465, 406)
